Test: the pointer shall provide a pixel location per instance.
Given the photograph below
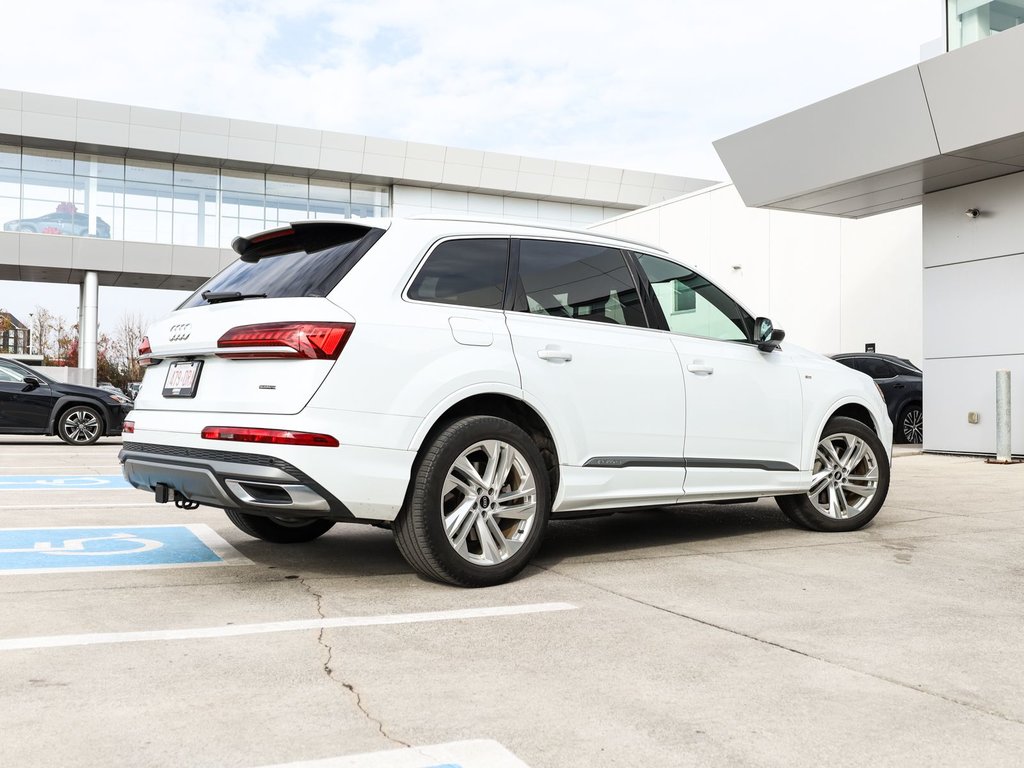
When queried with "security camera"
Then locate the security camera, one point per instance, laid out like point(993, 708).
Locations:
point(972, 213)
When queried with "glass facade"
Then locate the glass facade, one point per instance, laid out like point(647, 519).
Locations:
point(968, 21)
point(70, 193)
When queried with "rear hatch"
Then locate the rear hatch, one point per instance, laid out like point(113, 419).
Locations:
point(261, 336)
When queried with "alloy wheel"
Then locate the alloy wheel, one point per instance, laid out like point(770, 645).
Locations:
point(488, 502)
point(913, 426)
point(845, 476)
point(81, 425)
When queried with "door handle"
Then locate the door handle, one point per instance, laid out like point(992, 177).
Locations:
point(701, 369)
point(554, 355)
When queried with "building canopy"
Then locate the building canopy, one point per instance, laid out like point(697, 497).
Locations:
point(949, 121)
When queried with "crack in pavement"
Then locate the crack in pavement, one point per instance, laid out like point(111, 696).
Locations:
point(780, 646)
point(330, 672)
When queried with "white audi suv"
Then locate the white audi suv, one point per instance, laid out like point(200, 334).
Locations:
point(465, 382)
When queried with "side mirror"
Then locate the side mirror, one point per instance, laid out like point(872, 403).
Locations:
point(31, 382)
point(768, 337)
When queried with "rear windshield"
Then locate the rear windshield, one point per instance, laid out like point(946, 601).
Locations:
point(288, 275)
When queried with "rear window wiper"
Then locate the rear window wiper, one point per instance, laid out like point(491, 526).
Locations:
point(212, 297)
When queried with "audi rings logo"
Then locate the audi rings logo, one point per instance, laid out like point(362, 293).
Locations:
point(180, 332)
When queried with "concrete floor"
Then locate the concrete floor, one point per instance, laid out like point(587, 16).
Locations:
point(710, 635)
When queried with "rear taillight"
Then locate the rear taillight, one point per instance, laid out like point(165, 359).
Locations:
point(316, 341)
point(128, 427)
point(146, 353)
point(275, 436)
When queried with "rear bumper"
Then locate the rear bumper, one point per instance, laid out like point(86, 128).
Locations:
point(345, 484)
point(251, 482)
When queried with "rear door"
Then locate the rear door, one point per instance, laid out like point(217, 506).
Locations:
point(260, 337)
point(588, 361)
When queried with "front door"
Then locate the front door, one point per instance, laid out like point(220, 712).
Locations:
point(24, 408)
point(744, 417)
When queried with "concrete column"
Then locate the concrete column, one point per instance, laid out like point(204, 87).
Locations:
point(88, 331)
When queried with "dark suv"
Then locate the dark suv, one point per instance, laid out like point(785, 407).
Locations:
point(32, 404)
point(901, 384)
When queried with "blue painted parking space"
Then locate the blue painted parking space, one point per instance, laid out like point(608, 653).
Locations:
point(62, 482)
point(47, 550)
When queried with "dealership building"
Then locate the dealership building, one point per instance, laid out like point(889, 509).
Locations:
point(845, 221)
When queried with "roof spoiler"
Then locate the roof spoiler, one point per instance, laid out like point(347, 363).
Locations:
point(308, 236)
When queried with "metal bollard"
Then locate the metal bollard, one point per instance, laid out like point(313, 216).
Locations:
point(1003, 451)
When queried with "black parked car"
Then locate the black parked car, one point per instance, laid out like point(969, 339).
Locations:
point(901, 384)
point(32, 404)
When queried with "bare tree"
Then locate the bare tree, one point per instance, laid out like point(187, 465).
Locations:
point(42, 331)
point(124, 347)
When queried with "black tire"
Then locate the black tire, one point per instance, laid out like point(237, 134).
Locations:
point(279, 530)
point(420, 532)
point(805, 510)
point(910, 424)
point(80, 425)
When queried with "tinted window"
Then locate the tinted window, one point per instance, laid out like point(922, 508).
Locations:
point(10, 373)
point(851, 362)
point(876, 368)
point(692, 304)
point(313, 272)
point(573, 280)
point(470, 273)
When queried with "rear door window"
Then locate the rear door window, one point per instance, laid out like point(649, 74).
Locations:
point(469, 273)
point(310, 262)
point(577, 281)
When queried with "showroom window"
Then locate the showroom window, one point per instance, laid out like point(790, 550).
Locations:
point(968, 21)
point(89, 195)
point(692, 304)
point(469, 273)
point(578, 281)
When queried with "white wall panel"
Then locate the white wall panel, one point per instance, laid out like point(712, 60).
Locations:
point(739, 237)
point(951, 237)
point(974, 308)
point(956, 386)
point(805, 292)
point(881, 283)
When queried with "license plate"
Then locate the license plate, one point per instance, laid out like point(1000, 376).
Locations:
point(183, 379)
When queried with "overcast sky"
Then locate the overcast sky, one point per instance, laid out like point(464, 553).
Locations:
point(644, 84)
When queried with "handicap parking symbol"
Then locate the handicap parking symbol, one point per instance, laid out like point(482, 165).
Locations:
point(45, 550)
point(62, 482)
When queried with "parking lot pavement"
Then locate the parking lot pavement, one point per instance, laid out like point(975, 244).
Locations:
point(706, 635)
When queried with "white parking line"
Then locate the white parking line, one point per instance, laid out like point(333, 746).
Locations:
point(479, 753)
point(140, 505)
point(51, 467)
point(236, 630)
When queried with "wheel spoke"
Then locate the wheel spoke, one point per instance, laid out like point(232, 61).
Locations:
point(861, 490)
point(854, 453)
point(455, 483)
point(523, 511)
point(818, 482)
point(836, 502)
point(829, 449)
point(464, 466)
point(492, 540)
point(460, 529)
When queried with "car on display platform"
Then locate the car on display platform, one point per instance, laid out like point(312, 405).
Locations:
point(902, 385)
point(59, 223)
point(33, 404)
point(464, 382)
